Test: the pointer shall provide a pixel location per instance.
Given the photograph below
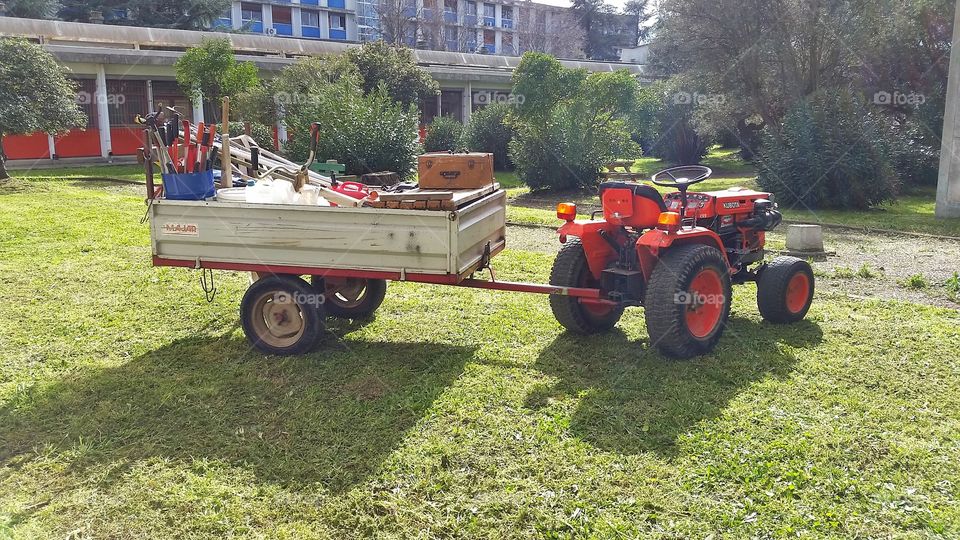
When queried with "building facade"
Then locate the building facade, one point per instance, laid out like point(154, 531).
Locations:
point(506, 27)
point(124, 71)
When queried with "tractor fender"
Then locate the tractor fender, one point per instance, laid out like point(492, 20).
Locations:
point(654, 241)
point(598, 251)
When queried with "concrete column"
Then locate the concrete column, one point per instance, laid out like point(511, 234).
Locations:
point(267, 11)
point(325, 24)
point(948, 186)
point(281, 132)
point(236, 19)
point(197, 109)
point(51, 145)
point(467, 102)
point(103, 113)
point(297, 22)
point(498, 40)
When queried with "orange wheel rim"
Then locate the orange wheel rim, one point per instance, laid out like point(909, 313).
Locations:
point(704, 303)
point(798, 292)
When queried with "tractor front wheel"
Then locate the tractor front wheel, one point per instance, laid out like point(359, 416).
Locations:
point(785, 290)
point(579, 315)
point(688, 301)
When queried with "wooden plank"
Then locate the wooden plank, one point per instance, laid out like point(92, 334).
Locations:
point(417, 195)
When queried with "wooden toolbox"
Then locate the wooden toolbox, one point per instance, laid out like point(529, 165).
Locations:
point(455, 171)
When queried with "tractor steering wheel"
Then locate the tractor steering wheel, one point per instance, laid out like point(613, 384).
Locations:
point(682, 177)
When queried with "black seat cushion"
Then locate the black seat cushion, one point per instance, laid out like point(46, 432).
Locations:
point(640, 190)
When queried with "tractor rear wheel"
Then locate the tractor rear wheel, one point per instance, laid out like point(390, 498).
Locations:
point(579, 315)
point(688, 301)
point(785, 290)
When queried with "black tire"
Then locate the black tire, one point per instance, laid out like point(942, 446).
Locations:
point(779, 294)
point(570, 270)
point(370, 295)
point(669, 299)
point(275, 301)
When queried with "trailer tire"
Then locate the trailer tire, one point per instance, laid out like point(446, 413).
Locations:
point(282, 315)
point(359, 301)
point(688, 301)
point(570, 269)
point(785, 290)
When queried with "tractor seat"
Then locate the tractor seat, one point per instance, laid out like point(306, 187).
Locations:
point(640, 190)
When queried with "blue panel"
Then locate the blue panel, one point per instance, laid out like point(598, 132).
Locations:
point(336, 4)
point(489, 21)
point(506, 23)
point(469, 20)
point(223, 22)
point(453, 45)
point(490, 47)
point(256, 26)
point(283, 29)
point(409, 11)
point(310, 2)
point(338, 34)
point(450, 17)
point(311, 31)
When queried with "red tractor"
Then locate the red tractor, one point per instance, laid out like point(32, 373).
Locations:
point(677, 257)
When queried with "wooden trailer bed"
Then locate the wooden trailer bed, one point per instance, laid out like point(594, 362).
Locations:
point(448, 243)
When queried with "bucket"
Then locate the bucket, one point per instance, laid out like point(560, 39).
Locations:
point(235, 194)
point(188, 186)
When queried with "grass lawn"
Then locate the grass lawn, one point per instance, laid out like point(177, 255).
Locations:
point(912, 212)
point(131, 408)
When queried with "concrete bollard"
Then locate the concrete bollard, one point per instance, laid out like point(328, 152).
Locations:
point(805, 239)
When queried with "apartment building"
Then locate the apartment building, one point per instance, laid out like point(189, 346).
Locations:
point(311, 19)
point(503, 27)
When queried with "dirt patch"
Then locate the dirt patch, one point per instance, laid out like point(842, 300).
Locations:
point(367, 388)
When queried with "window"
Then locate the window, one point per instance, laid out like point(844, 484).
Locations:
point(489, 10)
point(506, 12)
point(250, 12)
point(489, 37)
point(471, 7)
point(282, 15)
point(450, 6)
point(310, 17)
point(338, 21)
point(125, 100)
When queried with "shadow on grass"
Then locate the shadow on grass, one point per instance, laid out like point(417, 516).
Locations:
point(329, 418)
point(634, 400)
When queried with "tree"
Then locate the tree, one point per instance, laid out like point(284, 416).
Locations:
point(396, 69)
point(32, 9)
point(605, 29)
point(34, 94)
point(641, 14)
point(559, 35)
point(570, 124)
point(210, 71)
point(180, 14)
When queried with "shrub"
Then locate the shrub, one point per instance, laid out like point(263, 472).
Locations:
point(915, 143)
point(916, 282)
point(830, 153)
point(678, 141)
point(261, 133)
point(367, 133)
point(569, 123)
point(396, 69)
point(444, 134)
point(489, 131)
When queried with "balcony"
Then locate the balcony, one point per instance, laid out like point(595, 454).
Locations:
point(336, 4)
point(254, 26)
point(469, 20)
point(450, 17)
point(490, 21)
point(310, 2)
point(310, 31)
point(283, 29)
point(338, 33)
point(506, 23)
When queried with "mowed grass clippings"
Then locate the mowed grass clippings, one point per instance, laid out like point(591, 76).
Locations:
point(131, 408)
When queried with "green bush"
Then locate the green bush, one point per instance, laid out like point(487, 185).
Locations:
point(444, 134)
point(489, 131)
point(830, 153)
point(261, 133)
point(915, 143)
point(678, 141)
point(569, 123)
point(367, 133)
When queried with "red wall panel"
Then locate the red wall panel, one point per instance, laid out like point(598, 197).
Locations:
point(33, 146)
point(125, 141)
point(78, 143)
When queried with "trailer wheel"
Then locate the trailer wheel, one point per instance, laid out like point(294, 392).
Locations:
point(282, 315)
point(785, 290)
point(688, 301)
point(581, 316)
point(350, 298)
